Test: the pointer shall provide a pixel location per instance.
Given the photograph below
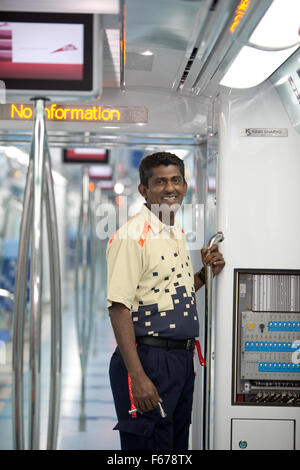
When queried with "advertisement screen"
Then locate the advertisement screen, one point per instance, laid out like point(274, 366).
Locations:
point(46, 51)
point(41, 51)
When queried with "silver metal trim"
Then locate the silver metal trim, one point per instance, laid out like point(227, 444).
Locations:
point(56, 313)
point(209, 350)
point(84, 290)
point(271, 49)
point(122, 43)
point(62, 139)
point(19, 313)
point(36, 276)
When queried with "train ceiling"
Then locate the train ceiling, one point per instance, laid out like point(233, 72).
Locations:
point(175, 45)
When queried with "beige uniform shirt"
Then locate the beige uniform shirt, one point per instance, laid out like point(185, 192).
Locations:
point(149, 270)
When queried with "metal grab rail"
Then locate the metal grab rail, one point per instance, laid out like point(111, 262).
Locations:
point(19, 314)
point(208, 384)
point(84, 310)
point(38, 184)
point(56, 320)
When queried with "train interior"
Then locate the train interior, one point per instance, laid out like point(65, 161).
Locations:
point(217, 82)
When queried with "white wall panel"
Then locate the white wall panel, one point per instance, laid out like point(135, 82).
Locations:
point(258, 196)
point(262, 434)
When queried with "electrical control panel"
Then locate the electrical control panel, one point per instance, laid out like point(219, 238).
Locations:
point(266, 362)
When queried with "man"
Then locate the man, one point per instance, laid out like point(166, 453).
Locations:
point(151, 300)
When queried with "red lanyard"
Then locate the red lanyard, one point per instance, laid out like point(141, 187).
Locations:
point(201, 358)
point(132, 406)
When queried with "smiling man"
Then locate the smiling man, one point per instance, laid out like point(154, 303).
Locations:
point(151, 300)
point(163, 187)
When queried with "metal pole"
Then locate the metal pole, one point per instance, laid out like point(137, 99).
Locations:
point(84, 283)
point(32, 224)
point(209, 352)
point(122, 44)
point(36, 275)
point(56, 320)
point(84, 261)
point(19, 312)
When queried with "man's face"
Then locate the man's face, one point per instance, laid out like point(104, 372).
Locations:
point(165, 187)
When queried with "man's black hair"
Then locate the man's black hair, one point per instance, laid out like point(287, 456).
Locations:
point(157, 159)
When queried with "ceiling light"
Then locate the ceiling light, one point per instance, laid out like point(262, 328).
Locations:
point(113, 40)
point(251, 67)
point(275, 38)
point(119, 188)
point(147, 53)
point(279, 26)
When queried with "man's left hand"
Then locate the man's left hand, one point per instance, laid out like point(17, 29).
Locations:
point(212, 257)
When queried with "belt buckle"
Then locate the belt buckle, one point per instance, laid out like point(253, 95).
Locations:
point(190, 343)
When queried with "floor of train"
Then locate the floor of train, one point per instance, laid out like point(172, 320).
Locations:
point(96, 430)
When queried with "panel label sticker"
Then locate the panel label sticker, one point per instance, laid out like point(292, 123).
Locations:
point(263, 132)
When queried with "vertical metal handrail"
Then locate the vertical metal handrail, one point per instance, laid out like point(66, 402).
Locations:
point(208, 383)
point(19, 313)
point(84, 310)
point(32, 225)
point(36, 275)
point(122, 43)
point(56, 320)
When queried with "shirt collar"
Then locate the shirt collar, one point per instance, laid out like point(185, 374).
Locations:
point(156, 225)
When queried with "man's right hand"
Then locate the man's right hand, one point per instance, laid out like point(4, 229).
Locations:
point(144, 392)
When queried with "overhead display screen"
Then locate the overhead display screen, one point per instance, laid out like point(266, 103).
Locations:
point(100, 172)
point(94, 112)
point(85, 155)
point(46, 51)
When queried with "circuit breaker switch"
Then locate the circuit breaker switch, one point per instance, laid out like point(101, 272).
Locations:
point(266, 366)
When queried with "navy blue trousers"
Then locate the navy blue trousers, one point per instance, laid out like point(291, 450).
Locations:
point(172, 372)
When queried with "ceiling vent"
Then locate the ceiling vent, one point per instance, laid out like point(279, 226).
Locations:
point(208, 21)
point(214, 44)
point(214, 5)
point(187, 68)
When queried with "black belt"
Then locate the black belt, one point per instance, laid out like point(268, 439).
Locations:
point(167, 343)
